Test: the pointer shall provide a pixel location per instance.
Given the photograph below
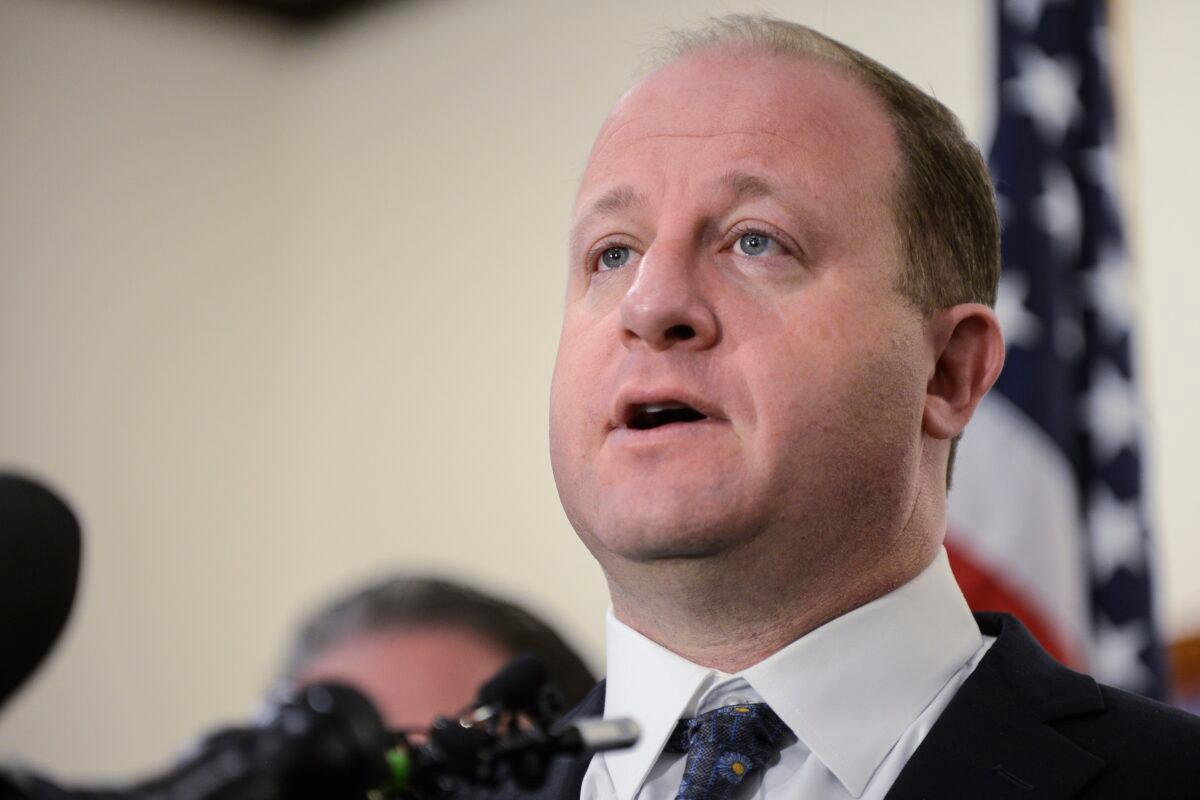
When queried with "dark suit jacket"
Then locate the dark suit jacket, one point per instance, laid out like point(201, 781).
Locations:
point(1021, 726)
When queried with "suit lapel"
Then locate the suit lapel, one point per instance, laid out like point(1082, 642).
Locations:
point(994, 740)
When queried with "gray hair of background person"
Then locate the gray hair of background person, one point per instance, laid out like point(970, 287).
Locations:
point(408, 602)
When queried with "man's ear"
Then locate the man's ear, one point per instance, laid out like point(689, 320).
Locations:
point(968, 352)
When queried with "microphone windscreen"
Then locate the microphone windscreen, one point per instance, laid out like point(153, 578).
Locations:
point(516, 685)
point(39, 571)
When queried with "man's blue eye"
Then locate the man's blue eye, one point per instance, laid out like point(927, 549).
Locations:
point(753, 244)
point(614, 257)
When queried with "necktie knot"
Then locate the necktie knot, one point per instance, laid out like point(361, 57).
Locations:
point(724, 746)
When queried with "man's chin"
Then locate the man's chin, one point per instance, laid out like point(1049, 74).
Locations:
point(664, 534)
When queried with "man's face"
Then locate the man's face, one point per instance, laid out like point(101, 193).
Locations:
point(735, 358)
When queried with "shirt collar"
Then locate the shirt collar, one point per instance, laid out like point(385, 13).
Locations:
point(848, 689)
point(651, 685)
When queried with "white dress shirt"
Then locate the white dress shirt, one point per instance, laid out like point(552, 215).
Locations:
point(859, 693)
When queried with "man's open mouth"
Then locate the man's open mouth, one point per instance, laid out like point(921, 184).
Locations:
point(648, 416)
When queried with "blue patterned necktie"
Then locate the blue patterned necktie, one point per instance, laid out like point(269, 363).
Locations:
point(723, 747)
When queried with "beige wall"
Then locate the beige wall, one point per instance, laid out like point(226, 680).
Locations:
point(278, 313)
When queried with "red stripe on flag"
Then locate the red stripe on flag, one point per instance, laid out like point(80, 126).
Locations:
point(986, 590)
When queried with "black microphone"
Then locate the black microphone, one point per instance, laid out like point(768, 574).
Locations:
point(323, 741)
point(328, 740)
point(595, 735)
point(517, 686)
point(39, 571)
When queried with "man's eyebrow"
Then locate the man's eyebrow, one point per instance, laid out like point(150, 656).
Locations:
point(618, 198)
point(745, 186)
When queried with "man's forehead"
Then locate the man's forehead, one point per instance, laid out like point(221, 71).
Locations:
point(709, 103)
point(726, 89)
point(714, 129)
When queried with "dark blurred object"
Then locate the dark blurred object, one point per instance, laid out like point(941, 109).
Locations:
point(323, 742)
point(1184, 656)
point(327, 741)
point(39, 571)
point(301, 15)
point(306, 12)
point(518, 686)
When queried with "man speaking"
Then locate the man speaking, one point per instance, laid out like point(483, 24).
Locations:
point(778, 321)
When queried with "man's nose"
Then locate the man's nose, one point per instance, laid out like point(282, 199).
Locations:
point(665, 306)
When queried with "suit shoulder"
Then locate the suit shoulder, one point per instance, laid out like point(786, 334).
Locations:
point(1142, 717)
point(1148, 746)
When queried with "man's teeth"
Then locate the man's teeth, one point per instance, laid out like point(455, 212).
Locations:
point(654, 408)
point(653, 415)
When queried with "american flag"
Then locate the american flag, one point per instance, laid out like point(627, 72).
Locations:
point(1047, 516)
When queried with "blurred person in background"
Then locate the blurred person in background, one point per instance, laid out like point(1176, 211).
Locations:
point(421, 647)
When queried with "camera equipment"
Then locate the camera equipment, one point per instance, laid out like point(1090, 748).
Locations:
point(318, 742)
point(328, 740)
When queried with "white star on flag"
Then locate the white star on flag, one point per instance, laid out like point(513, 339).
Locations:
point(1102, 166)
point(1116, 528)
point(1045, 88)
point(1110, 289)
point(1117, 654)
point(1112, 412)
point(1025, 13)
point(1058, 209)
point(1019, 325)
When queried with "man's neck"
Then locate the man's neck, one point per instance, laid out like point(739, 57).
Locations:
point(720, 617)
